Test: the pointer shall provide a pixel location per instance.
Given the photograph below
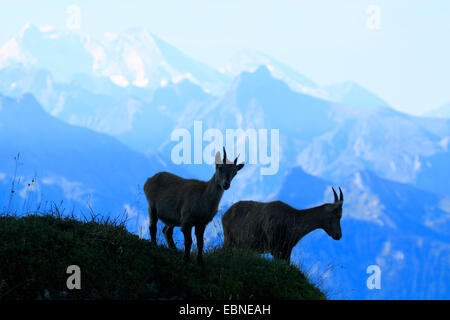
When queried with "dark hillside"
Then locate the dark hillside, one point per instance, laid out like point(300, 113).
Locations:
point(35, 251)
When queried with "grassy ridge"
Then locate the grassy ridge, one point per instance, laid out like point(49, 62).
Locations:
point(35, 251)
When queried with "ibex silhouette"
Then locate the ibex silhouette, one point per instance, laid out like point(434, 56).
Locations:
point(187, 203)
point(276, 227)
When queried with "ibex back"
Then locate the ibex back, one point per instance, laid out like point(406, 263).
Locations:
point(187, 203)
point(276, 227)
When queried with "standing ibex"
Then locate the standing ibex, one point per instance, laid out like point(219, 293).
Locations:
point(276, 227)
point(187, 203)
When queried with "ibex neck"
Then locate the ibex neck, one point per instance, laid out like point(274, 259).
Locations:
point(308, 220)
point(213, 191)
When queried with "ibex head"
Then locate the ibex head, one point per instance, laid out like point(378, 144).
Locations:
point(226, 170)
point(332, 221)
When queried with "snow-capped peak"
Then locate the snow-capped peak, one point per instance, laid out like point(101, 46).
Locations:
point(135, 57)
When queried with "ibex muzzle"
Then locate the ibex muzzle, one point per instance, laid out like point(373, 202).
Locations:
point(187, 203)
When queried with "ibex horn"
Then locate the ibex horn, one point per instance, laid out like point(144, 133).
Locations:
point(335, 196)
point(341, 196)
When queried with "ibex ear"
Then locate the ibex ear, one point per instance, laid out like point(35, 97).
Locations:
point(240, 166)
point(218, 159)
point(235, 160)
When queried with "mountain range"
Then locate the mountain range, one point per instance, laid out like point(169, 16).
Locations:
point(92, 119)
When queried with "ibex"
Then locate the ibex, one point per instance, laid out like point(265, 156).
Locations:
point(187, 203)
point(276, 227)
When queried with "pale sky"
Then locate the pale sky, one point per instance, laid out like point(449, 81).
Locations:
point(402, 56)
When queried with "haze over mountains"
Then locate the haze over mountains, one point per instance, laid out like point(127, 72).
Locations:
point(92, 119)
point(442, 112)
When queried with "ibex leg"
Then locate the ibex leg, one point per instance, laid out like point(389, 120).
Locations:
point(286, 255)
point(168, 235)
point(199, 231)
point(153, 223)
point(187, 241)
